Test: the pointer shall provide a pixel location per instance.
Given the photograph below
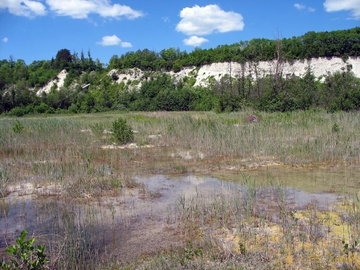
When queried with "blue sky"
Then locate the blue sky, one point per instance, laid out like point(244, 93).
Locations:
point(38, 29)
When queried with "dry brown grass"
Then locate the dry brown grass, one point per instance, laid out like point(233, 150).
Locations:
point(62, 158)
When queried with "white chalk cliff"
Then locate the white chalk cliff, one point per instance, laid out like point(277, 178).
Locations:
point(320, 67)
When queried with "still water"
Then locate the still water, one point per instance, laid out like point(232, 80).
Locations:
point(142, 213)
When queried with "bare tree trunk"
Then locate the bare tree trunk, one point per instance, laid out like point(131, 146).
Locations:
point(230, 78)
point(278, 66)
point(257, 78)
point(242, 81)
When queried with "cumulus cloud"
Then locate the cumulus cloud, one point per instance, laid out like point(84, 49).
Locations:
point(5, 39)
point(26, 8)
point(114, 41)
point(195, 41)
point(80, 9)
point(77, 9)
point(206, 20)
point(344, 5)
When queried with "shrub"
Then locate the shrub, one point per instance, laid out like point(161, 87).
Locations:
point(335, 128)
point(17, 111)
point(73, 108)
point(24, 255)
point(122, 132)
point(18, 127)
point(43, 108)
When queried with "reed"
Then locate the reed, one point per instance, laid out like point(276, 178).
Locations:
point(64, 163)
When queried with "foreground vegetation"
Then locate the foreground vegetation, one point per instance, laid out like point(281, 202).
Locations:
point(87, 196)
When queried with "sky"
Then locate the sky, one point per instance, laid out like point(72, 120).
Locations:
point(34, 30)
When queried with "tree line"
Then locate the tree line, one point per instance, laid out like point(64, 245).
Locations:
point(341, 43)
point(339, 91)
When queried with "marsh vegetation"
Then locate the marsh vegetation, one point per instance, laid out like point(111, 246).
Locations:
point(190, 190)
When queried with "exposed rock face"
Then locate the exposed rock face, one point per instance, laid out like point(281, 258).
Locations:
point(202, 76)
point(320, 67)
point(58, 81)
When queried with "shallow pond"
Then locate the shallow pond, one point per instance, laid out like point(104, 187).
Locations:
point(337, 180)
point(146, 216)
point(156, 194)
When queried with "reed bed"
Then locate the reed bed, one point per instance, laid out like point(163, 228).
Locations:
point(70, 159)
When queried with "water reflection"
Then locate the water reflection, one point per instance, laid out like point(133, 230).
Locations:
point(121, 223)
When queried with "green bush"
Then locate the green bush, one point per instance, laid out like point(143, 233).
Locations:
point(122, 132)
point(73, 108)
point(335, 128)
point(44, 108)
point(24, 255)
point(18, 111)
point(18, 127)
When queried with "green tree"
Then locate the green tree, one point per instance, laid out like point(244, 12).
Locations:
point(63, 59)
point(341, 91)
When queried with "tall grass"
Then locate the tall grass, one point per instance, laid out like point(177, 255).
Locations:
point(293, 138)
point(67, 151)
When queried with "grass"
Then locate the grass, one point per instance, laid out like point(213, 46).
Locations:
point(234, 229)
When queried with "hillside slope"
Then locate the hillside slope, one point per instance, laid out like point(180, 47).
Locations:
point(320, 67)
point(58, 82)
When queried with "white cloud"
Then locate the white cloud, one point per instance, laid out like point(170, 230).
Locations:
point(113, 41)
point(26, 8)
point(80, 9)
point(195, 41)
point(125, 44)
point(207, 20)
point(299, 6)
point(344, 5)
point(110, 41)
point(302, 7)
point(77, 9)
point(5, 39)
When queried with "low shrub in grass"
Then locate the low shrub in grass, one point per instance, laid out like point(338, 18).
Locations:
point(24, 255)
point(18, 127)
point(122, 132)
